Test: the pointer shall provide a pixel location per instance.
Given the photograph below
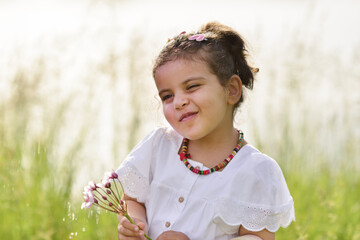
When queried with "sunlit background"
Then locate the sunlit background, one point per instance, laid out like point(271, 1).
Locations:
point(76, 94)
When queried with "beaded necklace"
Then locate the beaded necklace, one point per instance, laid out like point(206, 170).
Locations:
point(184, 155)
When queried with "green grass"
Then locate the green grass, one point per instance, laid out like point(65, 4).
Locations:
point(36, 200)
point(327, 206)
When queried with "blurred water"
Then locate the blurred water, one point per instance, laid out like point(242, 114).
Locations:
point(98, 55)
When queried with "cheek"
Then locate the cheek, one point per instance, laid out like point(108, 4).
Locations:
point(168, 112)
point(216, 99)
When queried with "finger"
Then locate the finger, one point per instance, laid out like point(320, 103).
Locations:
point(124, 232)
point(141, 225)
point(142, 229)
point(130, 226)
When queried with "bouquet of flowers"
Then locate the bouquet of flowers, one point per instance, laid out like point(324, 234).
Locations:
point(107, 195)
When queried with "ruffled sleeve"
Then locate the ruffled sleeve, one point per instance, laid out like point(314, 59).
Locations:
point(135, 171)
point(259, 198)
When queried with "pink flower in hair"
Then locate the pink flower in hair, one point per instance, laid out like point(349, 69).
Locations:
point(180, 36)
point(198, 37)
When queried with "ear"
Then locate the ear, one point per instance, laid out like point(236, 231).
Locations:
point(234, 87)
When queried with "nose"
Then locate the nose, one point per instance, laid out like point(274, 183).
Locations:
point(181, 102)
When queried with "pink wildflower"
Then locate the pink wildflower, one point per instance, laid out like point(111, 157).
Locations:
point(92, 185)
point(114, 175)
point(87, 189)
point(107, 176)
point(107, 195)
point(89, 200)
point(106, 183)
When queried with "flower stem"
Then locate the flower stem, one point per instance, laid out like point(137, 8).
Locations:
point(109, 196)
point(107, 209)
point(132, 221)
point(121, 187)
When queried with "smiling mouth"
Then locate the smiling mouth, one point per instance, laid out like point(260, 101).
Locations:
point(187, 116)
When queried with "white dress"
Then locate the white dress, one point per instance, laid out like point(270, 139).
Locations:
point(250, 191)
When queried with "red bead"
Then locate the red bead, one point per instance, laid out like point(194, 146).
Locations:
point(182, 156)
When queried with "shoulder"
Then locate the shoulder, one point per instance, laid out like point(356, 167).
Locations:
point(256, 162)
point(262, 179)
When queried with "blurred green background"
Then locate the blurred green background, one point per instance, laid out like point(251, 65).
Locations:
point(76, 94)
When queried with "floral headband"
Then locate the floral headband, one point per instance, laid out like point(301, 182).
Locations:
point(196, 37)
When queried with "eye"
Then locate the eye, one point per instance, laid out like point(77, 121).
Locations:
point(166, 97)
point(192, 86)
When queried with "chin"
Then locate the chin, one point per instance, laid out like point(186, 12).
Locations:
point(191, 135)
point(183, 133)
point(190, 132)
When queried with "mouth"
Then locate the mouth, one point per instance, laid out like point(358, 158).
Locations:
point(187, 116)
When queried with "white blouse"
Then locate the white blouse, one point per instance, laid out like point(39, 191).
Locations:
point(250, 191)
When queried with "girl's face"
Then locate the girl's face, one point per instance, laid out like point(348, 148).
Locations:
point(194, 102)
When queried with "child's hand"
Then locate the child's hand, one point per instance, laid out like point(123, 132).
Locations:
point(172, 235)
point(127, 230)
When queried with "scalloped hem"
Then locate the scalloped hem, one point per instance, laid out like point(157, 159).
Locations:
point(273, 230)
point(257, 219)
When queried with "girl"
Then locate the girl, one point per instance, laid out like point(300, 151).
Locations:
point(200, 179)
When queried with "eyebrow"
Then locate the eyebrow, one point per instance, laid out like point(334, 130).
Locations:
point(184, 83)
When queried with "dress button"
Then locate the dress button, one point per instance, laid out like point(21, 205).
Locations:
point(167, 224)
point(197, 167)
point(181, 199)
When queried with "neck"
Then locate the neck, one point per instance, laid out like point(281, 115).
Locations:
point(215, 146)
point(216, 137)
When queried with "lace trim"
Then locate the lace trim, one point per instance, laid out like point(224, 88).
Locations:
point(230, 215)
point(135, 185)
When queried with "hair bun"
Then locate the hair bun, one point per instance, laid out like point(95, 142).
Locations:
point(254, 70)
point(215, 27)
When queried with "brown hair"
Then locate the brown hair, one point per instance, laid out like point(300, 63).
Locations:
point(223, 50)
